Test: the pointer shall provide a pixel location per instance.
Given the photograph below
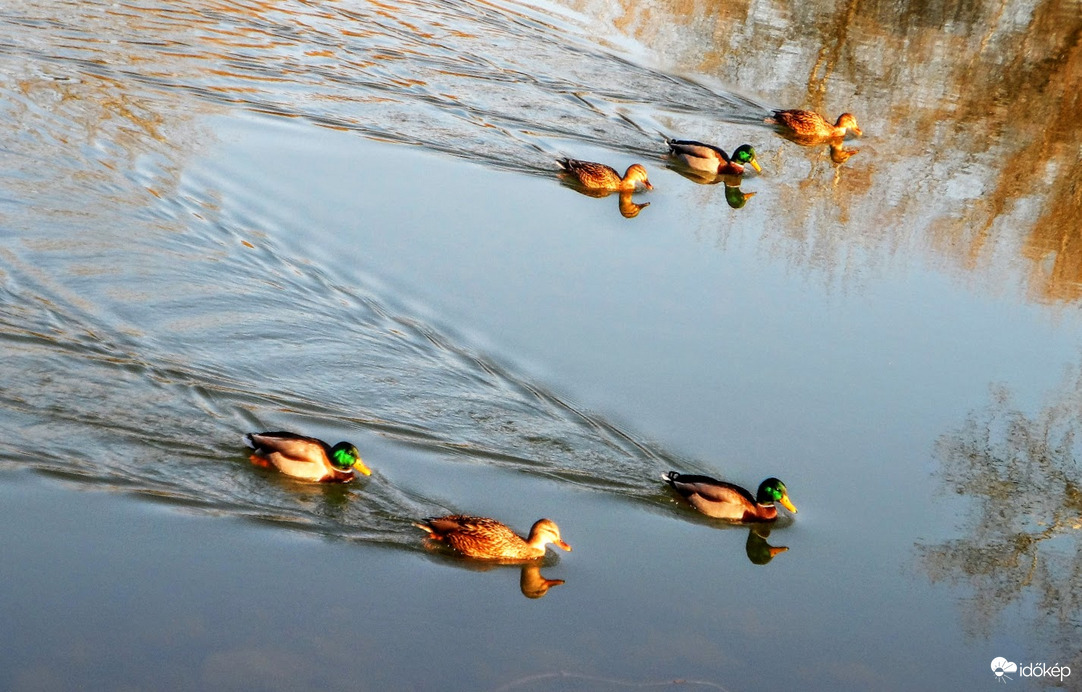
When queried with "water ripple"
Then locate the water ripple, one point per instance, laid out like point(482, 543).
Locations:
point(495, 83)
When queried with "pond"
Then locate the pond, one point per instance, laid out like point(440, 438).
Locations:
point(345, 219)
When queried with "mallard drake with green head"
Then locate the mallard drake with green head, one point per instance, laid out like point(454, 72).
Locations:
point(810, 125)
point(488, 539)
point(306, 457)
point(708, 158)
point(598, 176)
point(723, 500)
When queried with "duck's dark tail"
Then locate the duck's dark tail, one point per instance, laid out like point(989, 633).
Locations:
point(670, 477)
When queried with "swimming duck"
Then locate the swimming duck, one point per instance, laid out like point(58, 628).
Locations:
point(707, 157)
point(598, 176)
point(812, 126)
point(723, 500)
point(488, 539)
point(306, 457)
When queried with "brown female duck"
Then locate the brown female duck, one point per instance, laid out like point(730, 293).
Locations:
point(488, 539)
point(598, 176)
point(809, 125)
point(306, 458)
point(723, 500)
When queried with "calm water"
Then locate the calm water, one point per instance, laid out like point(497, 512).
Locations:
point(343, 218)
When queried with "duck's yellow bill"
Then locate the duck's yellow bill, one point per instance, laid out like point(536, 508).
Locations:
point(563, 545)
point(787, 503)
point(360, 467)
point(755, 165)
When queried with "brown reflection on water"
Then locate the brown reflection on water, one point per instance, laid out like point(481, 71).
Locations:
point(625, 201)
point(971, 151)
point(969, 111)
point(531, 582)
point(1021, 543)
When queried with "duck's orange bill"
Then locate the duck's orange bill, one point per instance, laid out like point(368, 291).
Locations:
point(755, 165)
point(359, 466)
point(787, 504)
point(563, 545)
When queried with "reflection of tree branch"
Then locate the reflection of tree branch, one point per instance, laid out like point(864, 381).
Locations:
point(1022, 530)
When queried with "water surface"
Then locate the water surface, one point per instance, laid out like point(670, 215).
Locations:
point(344, 218)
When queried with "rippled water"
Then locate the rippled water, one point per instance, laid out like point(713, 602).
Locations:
point(343, 218)
point(161, 312)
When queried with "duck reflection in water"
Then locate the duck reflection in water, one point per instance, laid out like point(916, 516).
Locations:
point(759, 551)
point(706, 164)
point(736, 508)
point(734, 196)
point(839, 154)
point(481, 543)
point(531, 582)
point(809, 129)
point(598, 180)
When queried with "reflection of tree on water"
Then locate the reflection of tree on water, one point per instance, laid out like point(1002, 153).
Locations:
point(973, 105)
point(1022, 543)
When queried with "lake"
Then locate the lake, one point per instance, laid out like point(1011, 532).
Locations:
point(345, 219)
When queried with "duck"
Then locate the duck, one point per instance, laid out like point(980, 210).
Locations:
point(711, 159)
point(810, 125)
point(488, 539)
point(306, 458)
point(598, 176)
point(723, 500)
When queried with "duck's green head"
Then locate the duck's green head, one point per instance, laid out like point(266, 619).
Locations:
point(345, 456)
point(772, 490)
point(745, 156)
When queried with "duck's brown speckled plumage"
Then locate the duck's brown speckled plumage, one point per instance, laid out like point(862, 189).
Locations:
point(484, 538)
point(723, 500)
point(598, 176)
point(811, 125)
